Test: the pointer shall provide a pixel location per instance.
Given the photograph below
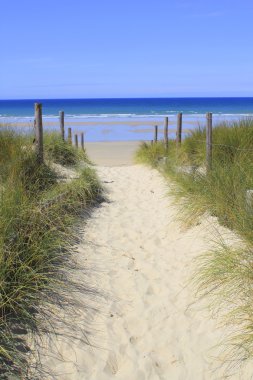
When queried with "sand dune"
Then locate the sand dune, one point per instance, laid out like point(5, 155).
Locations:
point(150, 327)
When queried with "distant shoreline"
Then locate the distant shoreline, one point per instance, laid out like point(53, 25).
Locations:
point(102, 129)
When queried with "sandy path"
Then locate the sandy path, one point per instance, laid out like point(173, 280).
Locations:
point(112, 153)
point(147, 329)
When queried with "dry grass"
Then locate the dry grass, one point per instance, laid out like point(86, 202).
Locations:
point(36, 245)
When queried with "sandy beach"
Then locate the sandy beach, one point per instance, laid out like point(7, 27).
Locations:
point(105, 130)
point(69, 123)
point(116, 129)
point(113, 153)
point(151, 325)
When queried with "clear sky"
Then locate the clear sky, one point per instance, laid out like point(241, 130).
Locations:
point(125, 48)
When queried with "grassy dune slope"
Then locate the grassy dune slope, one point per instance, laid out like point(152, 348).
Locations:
point(36, 241)
point(226, 274)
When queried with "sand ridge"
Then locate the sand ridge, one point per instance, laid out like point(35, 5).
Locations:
point(150, 327)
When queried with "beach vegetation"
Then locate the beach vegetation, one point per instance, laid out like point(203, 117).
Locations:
point(38, 213)
point(224, 274)
point(61, 151)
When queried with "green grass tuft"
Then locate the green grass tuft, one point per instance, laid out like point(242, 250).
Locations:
point(61, 152)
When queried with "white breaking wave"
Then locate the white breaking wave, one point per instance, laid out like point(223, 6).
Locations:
point(192, 115)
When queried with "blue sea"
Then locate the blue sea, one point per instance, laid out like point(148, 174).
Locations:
point(113, 119)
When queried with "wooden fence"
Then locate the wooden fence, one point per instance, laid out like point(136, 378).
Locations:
point(39, 134)
point(38, 125)
point(179, 129)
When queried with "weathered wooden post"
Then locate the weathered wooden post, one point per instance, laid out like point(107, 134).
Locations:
point(61, 116)
point(209, 127)
point(76, 140)
point(151, 142)
point(179, 129)
point(166, 140)
point(69, 136)
point(155, 134)
point(249, 201)
point(82, 140)
point(38, 132)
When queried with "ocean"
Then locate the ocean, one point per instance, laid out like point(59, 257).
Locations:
point(124, 119)
point(128, 107)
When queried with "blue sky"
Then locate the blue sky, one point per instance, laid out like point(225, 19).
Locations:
point(126, 48)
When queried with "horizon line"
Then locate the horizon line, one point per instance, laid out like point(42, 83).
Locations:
point(145, 97)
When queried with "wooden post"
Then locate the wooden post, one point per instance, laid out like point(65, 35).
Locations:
point(82, 140)
point(166, 140)
point(69, 136)
point(179, 129)
point(38, 132)
point(61, 116)
point(151, 142)
point(76, 140)
point(155, 134)
point(249, 201)
point(209, 125)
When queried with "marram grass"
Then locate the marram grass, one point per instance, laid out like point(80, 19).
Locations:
point(36, 244)
point(225, 274)
point(222, 191)
point(61, 152)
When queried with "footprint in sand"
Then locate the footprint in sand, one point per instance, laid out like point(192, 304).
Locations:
point(150, 291)
point(133, 339)
point(111, 367)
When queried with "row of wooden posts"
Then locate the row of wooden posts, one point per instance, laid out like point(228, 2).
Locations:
point(39, 134)
point(209, 127)
point(38, 125)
